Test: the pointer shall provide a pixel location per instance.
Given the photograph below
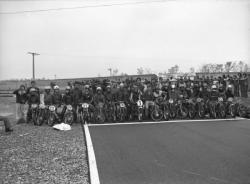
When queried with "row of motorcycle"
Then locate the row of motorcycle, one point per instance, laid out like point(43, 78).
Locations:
point(118, 112)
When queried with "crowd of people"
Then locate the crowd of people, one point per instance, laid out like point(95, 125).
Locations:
point(96, 92)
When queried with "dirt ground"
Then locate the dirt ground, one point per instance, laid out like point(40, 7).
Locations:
point(33, 154)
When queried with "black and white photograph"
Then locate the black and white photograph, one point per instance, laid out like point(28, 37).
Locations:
point(125, 91)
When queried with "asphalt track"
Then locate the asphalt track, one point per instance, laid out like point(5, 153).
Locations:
point(216, 152)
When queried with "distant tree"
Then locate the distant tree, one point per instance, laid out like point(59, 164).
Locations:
point(115, 72)
point(148, 71)
point(140, 71)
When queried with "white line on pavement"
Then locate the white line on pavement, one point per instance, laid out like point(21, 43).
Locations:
point(93, 172)
point(161, 122)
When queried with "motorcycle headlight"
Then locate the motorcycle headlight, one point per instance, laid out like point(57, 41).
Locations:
point(69, 107)
point(33, 106)
point(198, 99)
point(122, 105)
point(139, 103)
point(85, 105)
point(52, 108)
point(171, 101)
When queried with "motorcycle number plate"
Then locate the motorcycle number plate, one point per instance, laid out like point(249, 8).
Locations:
point(220, 99)
point(230, 99)
point(34, 106)
point(122, 105)
point(85, 105)
point(69, 107)
point(171, 101)
point(139, 103)
point(42, 106)
point(52, 108)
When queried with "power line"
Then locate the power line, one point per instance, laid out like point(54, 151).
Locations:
point(82, 7)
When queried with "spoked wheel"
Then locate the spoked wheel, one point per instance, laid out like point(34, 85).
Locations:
point(69, 118)
point(157, 114)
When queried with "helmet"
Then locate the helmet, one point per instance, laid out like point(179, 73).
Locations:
point(99, 88)
point(214, 87)
point(121, 85)
point(86, 86)
point(56, 87)
point(47, 88)
point(108, 86)
point(230, 86)
point(68, 88)
point(173, 86)
point(32, 89)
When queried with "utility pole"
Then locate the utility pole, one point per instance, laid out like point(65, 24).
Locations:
point(33, 63)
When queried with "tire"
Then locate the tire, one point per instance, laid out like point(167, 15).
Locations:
point(191, 111)
point(40, 120)
point(51, 120)
point(69, 118)
point(183, 112)
point(242, 111)
point(34, 118)
point(172, 112)
point(232, 111)
point(201, 111)
point(166, 113)
point(156, 114)
point(140, 114)
point(213, 113)
point(222, 111)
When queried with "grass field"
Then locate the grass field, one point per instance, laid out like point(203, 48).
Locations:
point(33, 154)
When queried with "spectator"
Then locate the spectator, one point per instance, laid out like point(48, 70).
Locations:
point(21, 107)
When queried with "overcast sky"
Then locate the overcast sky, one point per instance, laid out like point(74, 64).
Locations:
point(87, 41)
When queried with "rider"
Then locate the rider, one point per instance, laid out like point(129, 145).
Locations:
point(99, 98)
point(33, 98)
point(135, 95)
point(87, 97)
point(47, 96)
point(148, 96)
point(57, 100)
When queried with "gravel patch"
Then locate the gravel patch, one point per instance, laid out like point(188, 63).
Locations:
point(33, 154)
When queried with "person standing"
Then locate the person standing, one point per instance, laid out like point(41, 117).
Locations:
point(21, 107)
point(244, 85)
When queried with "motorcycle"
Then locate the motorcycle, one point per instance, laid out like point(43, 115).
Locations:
point(212, 109)
point(191, 108)
point(172, 109)
point(221, 108)
point(140, 109)
point(241, 110)
point(110, 112)
point(231, 109)
point(182, 110)
point(100, 117)
point(42, 114)
point(200, 108)
point(121, 111)
point(52, 116)
point(34, 113)
point(83, 113)
point(68, 117)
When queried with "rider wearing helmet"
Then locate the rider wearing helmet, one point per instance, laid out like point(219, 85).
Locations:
point(67, 97)
point(229, 92)
point(99, 98)
point(222, 91)
point(182, 92)
point(57, 96)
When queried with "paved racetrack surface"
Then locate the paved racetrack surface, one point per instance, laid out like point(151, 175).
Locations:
point(173, 153)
